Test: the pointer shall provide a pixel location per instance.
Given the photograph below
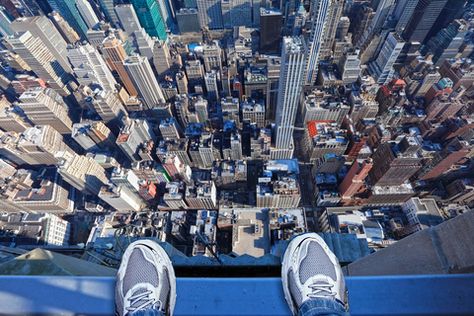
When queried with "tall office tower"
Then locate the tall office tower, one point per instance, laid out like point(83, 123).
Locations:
point(293, 61)
point(10, 151)
point(148, 12)
point(212, 55)
point(132, 135)
point(355, 178)
point(422, 20)
point(235, 146)
point(70, 13)
point(11, 119)
point(241, 13)
point(393, 164)
point(42, 144)
point(201, 108)
point(271, 22)
point(188, 20)
point(93, 135)
point(382, 68)
point(87, 13)
point(42, 28)
point(130, 23)
point(319, 15)
point(121, 198)
point(402, 14)
point(115, 56)
point(161, 58)
point(329, 34)
point(168, 13)
point(38, 57)
point(169, 128)
point(254, 113)
point(5, 21)
point(446, 44)
point(225, 9)
point(107, 7)
point(90, 67)
point(66, 31)
point(46, 107)
point(142, 76)
point(83, 173)
point(350, 68)
point(210, 14)
point(211, 86)
point(106, 104)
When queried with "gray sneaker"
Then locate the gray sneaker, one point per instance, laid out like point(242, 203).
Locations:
point(310, 270)
point(145, 279)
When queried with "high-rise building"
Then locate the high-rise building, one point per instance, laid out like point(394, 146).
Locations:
point(5, 23)
point(107, 7)
point(329, 34)
point(90, 67)
point(188, 20)
point(382, 68)
point(210, 79)
point(212, 55)
point(87, 13)
point(39, 58)
point(115, 56)
point(241, 13)
point(121, 198)
point(422, 20)
point(293, 62)
point(148, 12)
point(355, 178)
point(42, 28)
point(68, 9)
point(83, 173)
point(11, 119)
point(93, 135)
point(46, 107)
point(43, 144)
point(403, 12)
point(161, 58)
point(66, 31)
point(142, 76)
point(106, 104)
point(270, 30)
point(210, 14)
point(319, 15)
point(351, 68)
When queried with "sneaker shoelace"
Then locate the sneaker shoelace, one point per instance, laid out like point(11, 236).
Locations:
point(143, 299)
point(321, 288)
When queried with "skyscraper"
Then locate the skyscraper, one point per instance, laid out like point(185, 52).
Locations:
point(210, 14)
point(70, 13)
point(46, 107)
point(67, 32)
point(422, 20)
point(42, 28)
point(107, 6)
point(149, 14)
point(90, 67)
point(319, 16)
point(293, 61)
point(329, 34)
point(382, 67)
point(87, 13)
point(39, 58)
point(270, 30)
point(142, 76)
point(115, 55)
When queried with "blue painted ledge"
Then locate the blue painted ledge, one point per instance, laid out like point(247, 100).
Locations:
point(384, 295)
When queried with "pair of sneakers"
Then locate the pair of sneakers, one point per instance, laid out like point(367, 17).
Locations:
point(146, 278)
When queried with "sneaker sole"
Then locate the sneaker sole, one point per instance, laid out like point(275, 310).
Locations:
point(169, 266)
point(294, 243)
